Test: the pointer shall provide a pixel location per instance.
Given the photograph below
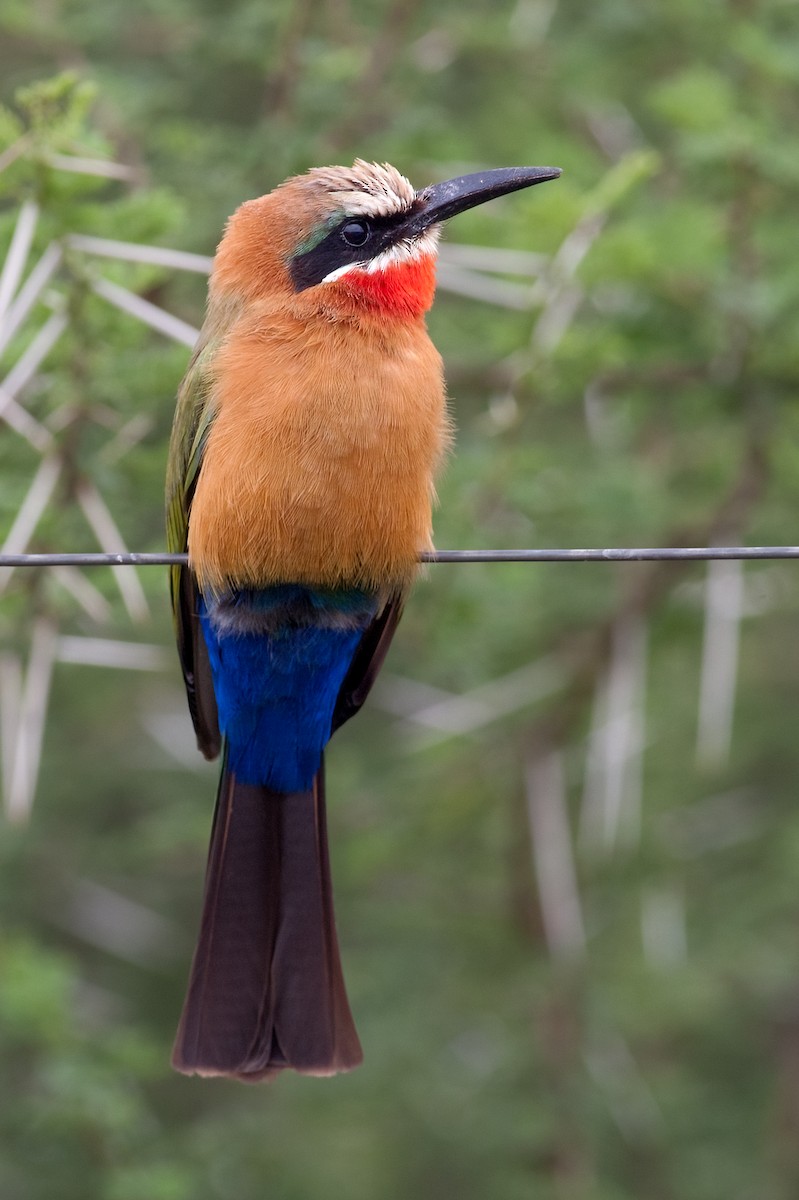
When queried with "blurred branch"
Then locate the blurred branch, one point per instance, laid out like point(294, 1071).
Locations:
point(161, 256)
point(110, 652)
point(663, 928)
point(14, 151)
point(493, 259)
point(30, 292)
point(559, 290)
point(150, 314)
point(553, 857)
point(108, 535)
point(561, 294)
point(90, 598)
point(30, 511)
point(724, 607)
point(611, 806)
point(482, 705)
point(478, 286)
point(586, 655)
point(126, 438)
point(117, 925)
point(102, 167)
point(20, 420)
point(18, 250)
point(26, 747)
point(631, 1101)
point(21, 374)
point(10, 708)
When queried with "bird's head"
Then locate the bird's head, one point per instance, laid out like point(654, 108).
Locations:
point(358, 237)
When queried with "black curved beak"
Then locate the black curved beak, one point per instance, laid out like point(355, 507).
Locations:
point(444, 200)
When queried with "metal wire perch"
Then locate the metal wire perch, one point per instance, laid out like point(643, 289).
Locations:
point(608, 554)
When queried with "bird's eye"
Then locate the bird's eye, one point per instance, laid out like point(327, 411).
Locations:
point(356, 233)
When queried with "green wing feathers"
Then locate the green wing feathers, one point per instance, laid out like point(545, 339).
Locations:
point(194, 417)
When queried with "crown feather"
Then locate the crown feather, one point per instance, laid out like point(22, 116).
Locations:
point(366, 189)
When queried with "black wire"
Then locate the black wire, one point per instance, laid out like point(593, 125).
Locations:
point(612, 554)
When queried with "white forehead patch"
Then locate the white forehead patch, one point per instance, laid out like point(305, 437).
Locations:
point(367, 189)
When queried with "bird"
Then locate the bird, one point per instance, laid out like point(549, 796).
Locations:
point(308, 431)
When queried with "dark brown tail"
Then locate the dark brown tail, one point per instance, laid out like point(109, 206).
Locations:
point(266, 990)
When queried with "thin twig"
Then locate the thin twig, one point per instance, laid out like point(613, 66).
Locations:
point(149, 314)
point(126, 438)
point(17, 254)
point(563, 294)
point(29, 293)
point(586, 655)
point(158, 256)
point(10, 706)
point(111, 652)
point(613, 785)
point(724, 607)
point(454, 716)
point(90, 598)
point(29, 514)
point(497, 260)
point(107, 533)
point(91, 166)
point(28, 363)
point(478, 286)
point(553, 856)
point(33, 712)
point(117, 925)
point(14, 151)
point(20, 420)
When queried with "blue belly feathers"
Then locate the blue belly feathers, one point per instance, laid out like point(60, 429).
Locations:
point(279, 657)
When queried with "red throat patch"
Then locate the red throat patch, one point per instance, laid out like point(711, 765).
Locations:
point(404, 289)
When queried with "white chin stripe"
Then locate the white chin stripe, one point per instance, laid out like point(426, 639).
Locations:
point(403, 252)
point(339, 271)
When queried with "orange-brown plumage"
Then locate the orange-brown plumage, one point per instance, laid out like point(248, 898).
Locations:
point(330, 417)
point(331, 432)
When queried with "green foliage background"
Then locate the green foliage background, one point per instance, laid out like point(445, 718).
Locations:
point(663, 412)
